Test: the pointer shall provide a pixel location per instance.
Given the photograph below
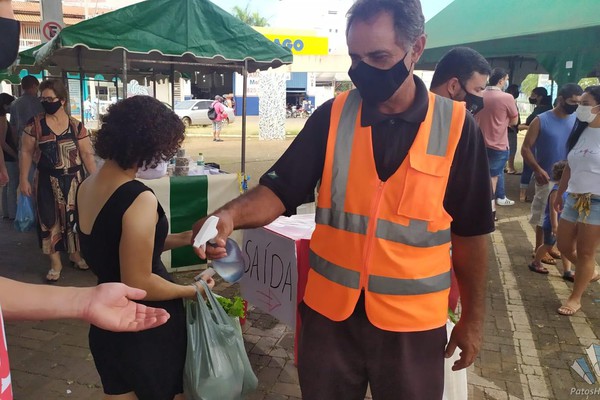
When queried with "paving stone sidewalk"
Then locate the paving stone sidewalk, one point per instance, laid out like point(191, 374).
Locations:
point(527, 351)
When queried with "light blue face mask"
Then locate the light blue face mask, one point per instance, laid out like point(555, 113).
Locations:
point(505, 86)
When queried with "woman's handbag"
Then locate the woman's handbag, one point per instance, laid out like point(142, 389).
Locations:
point(216, 364)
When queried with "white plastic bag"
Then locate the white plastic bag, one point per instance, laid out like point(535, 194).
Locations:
point(216, 364)
point(455, 382)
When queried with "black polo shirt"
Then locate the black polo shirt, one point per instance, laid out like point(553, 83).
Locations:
point(295, 175)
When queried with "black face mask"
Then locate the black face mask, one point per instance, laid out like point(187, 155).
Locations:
point(532, 100)
point(474, 103)
point(569, 108)
point(51, 107)
point(377, 85)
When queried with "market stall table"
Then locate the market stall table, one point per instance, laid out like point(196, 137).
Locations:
point(276, 258)
point(185, 200)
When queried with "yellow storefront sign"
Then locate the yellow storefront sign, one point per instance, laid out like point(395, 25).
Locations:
point(300, 42)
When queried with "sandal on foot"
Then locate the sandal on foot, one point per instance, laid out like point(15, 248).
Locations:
point(555, 254)
point(549, 260)
point(538, 268)
point(80, 265)
point(522, 197)
point(52, 275)
point(570, 276)
point(567, 310)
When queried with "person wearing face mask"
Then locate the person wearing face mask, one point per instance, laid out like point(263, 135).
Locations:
point(27, 106)
point(542, 102)
point(544, 145)
point(461, 75)
point(579, 226)
point(403, 175)
point(62, 148)
point(499, 112)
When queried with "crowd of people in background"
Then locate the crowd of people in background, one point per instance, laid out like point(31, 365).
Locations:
point(561, 153)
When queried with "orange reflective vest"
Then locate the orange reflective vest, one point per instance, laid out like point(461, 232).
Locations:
point(390, 239)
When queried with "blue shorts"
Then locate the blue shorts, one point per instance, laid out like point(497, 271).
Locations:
point(497, 160)
point(549, 238)
point(570, 214)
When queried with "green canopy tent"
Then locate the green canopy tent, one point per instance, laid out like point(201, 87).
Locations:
point(26, 57)
point(157, 36)
point(7, 76)
point(535, 36)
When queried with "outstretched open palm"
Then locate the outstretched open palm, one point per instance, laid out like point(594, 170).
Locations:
point(110, 307)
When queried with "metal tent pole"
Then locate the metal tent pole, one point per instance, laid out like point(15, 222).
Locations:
point(81, 101)
point(98, 100)
point(154, 84)
point(81, 87)
point(172, 79)
point(124, 74)
point(244, 114)
point(65, 77)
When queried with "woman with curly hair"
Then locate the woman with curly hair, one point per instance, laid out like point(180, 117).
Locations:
point(579, 228)
point(123, 231)
point(61, 147)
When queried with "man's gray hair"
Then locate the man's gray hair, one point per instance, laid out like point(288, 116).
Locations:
point(409, 22)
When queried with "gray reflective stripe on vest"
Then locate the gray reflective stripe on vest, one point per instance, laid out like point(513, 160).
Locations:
point(341, 220)
point(379, 284)
point(440, 127)
point(409, 287)
point(343, 149)
point(415, 234)
point(333, 272)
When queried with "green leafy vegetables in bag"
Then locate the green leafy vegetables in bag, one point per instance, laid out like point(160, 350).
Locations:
point(233, 307)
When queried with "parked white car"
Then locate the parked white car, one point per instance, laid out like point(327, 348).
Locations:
point(195, 112)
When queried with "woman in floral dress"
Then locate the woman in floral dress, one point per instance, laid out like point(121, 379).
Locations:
point(61, 147)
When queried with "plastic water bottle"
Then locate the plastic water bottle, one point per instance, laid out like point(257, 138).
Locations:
point(230, 268)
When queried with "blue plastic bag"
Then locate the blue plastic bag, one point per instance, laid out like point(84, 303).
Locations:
point(25, 218)
point(216, 364)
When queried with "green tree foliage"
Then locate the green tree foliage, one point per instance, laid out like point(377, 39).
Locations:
point(529, 83)
point(585, 82)
point(248, 17)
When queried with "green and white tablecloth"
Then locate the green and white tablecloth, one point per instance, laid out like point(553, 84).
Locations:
point(186, 199)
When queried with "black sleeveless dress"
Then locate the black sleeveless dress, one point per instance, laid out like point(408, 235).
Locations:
point(149, 363)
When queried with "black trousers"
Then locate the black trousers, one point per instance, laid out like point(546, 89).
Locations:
point(337, 360)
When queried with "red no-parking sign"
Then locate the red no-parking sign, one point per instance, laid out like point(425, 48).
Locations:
point(52, 19)
point(50, 29)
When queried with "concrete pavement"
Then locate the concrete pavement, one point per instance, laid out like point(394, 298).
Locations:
point(527, 351)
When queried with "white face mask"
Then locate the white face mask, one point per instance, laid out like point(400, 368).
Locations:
point(584, 113)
